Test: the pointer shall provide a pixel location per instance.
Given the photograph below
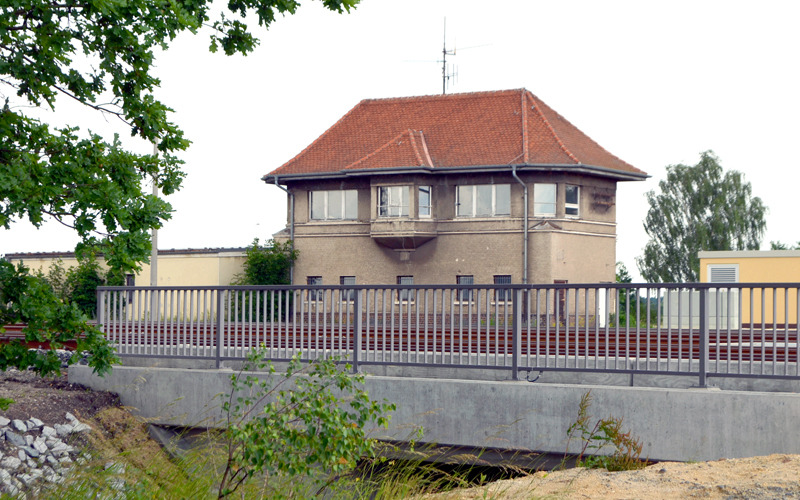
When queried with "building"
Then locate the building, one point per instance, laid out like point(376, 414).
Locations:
point(760, 305)
point(185, 267)
point(485, 187)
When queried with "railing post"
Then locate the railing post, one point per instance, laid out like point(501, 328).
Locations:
point(220, 315)
point(516, 333)
point(703, 336)
point(357, 329)
point(99, 315)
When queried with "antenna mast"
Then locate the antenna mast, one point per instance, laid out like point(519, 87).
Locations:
point(445, 53)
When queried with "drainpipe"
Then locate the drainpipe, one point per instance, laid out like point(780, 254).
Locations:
point(291, 225)
point(524, 227)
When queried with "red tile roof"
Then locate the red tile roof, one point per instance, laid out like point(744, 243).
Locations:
point(510, 127)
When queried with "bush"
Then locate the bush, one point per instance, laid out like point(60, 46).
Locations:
point(307, 424)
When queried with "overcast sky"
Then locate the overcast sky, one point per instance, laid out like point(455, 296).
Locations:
point(654, 83)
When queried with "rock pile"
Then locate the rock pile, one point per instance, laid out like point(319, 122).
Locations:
point(37, 453)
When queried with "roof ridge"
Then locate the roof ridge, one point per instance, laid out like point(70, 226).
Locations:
point(524, 114)
point(425, 148)
point(321, 136)
point(581, 132)
point(551, 129)
point(461, 95)
point(385, 145)
point(414, 147)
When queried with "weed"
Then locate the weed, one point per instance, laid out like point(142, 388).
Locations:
point(605, 433)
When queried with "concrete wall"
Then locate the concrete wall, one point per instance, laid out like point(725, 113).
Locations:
point(673, 424)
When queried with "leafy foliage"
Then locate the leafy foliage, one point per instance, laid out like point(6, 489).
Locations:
point(25, 298)
point(312, 419)
point(101, 54)
point(778, 245)
point(632, 309)
point(606, 432)
point(699, 207)
point(79, 283)
point(268, 264)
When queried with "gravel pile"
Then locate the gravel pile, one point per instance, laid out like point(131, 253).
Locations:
point(35, 453)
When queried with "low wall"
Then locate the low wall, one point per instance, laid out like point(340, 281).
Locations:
point(673, 424)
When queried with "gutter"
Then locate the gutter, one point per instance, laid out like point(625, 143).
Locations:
point(524, 225)
point(617, 175)
point(291, 224)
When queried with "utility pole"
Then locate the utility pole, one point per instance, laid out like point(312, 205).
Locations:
point(154, 234)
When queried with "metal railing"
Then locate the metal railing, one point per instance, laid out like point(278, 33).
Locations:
point(700, 330)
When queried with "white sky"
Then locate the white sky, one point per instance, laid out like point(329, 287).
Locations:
point(654, 83)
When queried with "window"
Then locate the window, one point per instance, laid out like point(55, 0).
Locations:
point(393, 201)
point(405, 295)
point(544, 200)
point(424, 201)
point(314, 281)
point(502, 294)
point(487, 200)
point(334, 205)
point(347, 294)
point(466, 293)
point(572, 201)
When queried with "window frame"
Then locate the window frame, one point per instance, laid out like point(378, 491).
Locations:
point(402, 205)
point(326, 204)
point(537, 204)
point(576, 206)
point(474, 201)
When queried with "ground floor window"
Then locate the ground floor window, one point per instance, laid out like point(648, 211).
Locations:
point(348, 280)
point(312, 281)
point(405, 295)
point(500, 294)
point(466, 293)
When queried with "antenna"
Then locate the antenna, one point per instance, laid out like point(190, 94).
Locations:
point(445, 75)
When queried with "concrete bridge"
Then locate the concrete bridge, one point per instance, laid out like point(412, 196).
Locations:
point(673, 423)
point(695, 370)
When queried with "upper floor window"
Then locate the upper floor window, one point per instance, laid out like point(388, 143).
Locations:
point(572, 198)
point(393, 201)
point(334, 205)
point(544, 200)
point(424, 201)
point(485, 200)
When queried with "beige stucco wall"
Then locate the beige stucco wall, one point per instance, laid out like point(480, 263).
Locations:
point(578, 250)
point(200, 269)
point(775, 266)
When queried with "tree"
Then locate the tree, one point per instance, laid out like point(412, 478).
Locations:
point(269, 264)
point(100, 54)
point(699, 207)
point(779, 245)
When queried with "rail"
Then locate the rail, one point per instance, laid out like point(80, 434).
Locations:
point(698, 329)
